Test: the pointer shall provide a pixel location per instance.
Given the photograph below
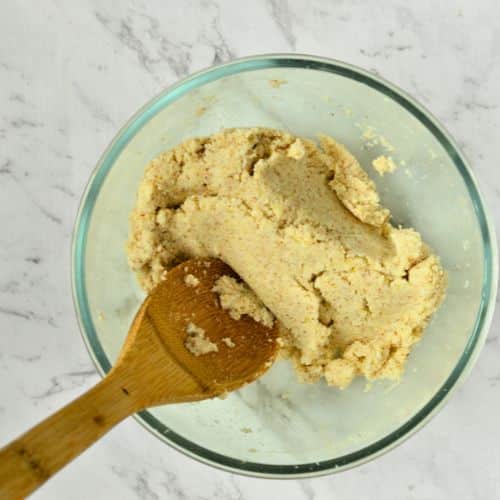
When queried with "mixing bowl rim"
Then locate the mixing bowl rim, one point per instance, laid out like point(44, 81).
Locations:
point(260, 62)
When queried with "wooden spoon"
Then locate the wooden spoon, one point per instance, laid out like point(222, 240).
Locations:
point(154, 368)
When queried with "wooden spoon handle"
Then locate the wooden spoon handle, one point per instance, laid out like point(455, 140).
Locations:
point(27, 462)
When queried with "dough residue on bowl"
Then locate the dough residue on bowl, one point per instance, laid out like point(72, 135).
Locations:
point(384, 164)
point(302, 225)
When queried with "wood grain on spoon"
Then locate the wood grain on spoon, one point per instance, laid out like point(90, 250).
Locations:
point(154, 368)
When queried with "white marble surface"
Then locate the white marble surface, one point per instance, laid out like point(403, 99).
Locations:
point(72, 72)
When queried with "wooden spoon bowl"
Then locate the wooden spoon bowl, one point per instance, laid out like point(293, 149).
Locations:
point(160, 329)
point(154, 368)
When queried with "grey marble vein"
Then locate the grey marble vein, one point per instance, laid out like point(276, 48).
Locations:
point(176, 55)
point(172, 487)
point(20, 123)
point(17, 98)
point(142, 488)
point(65, 381)
point(92, 106)
point(282, 15)
point(7, 169)
point(33, 260)
point(27, 359)
point(124, 33)
point(64, 189)
point(385, 51)
point(214, 38)
point(27, 315)
point(10, 286)
point(307, 488)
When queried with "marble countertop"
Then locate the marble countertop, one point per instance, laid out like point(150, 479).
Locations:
point(71, 73)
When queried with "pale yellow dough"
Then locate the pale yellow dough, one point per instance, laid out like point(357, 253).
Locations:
point(384, 164)
point(197, 342)
point(239, 300)
point(302, 225)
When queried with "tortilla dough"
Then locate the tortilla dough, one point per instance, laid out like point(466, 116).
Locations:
point(302, 225)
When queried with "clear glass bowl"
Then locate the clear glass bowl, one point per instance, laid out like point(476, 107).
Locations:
point(277, 427)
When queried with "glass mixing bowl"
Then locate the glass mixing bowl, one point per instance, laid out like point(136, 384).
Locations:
point(277, 427)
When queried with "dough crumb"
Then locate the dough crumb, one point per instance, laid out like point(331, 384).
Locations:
point(228, 341)
point(191, 280)
point(197, 343)
point(384, 164)
point(369, 134)
point(238, 300)
point(372, 139)
point(386, 144)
